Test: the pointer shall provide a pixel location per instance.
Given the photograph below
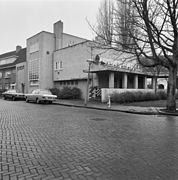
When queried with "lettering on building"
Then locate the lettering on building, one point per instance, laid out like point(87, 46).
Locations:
point(20, 68)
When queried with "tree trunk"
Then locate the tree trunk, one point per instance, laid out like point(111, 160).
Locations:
point(155, 85)
point(171, 90)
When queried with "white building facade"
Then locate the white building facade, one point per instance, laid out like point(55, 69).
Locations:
point(57, 60)
point(40, 52)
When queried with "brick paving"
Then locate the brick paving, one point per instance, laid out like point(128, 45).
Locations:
point(65, 143)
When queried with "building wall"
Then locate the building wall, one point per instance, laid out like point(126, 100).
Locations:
point(33, 53)
point(21, 73)
point(47, 48)
point(69, 40)
point(81, 84)
point(7, 77)
point(40, 47)
point(74, 61)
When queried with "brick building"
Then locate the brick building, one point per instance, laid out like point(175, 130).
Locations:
point(8, 68)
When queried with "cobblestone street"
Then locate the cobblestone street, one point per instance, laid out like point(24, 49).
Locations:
point(57, 142)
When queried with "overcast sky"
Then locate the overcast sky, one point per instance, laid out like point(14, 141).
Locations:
point(21, 19)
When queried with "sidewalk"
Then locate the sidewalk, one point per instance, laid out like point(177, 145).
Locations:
point(114, 107)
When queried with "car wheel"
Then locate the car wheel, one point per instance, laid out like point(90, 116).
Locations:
point(27, 100)
point(37, 101)
point(13, 98)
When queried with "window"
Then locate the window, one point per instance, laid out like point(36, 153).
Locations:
point(58, 65)
point(7, 86)
point(0, 75)
point(7, 61)
point(33, 72)
point(7, 74)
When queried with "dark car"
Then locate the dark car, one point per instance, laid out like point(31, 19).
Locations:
point(13, 95)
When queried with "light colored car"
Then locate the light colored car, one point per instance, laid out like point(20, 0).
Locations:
point(40, 95)
point(13, 94)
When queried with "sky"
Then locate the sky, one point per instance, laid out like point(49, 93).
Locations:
point(21, 19)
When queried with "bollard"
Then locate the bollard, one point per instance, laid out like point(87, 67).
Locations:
point(109, 102)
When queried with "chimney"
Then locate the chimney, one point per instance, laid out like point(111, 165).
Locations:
point(58, 31)
point(18, 48)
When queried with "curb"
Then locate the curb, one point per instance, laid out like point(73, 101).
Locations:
point(107, 109)
point(167, 113)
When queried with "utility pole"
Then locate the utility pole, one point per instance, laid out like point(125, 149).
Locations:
point(88, 81)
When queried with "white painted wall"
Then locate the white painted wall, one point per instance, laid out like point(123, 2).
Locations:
point(45, 43)
point(69, 40)
point(74, 61)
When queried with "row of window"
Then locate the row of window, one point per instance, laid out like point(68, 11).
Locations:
point(7, 61)
point(72, 82)
point(6, 86)
point(7, 74)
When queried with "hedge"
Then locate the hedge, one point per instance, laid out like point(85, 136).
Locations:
point(127, 97)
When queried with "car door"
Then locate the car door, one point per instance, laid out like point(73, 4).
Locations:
point(35, 94)
point(31, 96)
point(8, 95)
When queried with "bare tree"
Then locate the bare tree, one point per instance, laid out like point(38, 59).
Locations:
point(151, 34)
point(105, 22)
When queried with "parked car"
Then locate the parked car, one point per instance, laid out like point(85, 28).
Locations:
point(40, 95)
point(13, 94)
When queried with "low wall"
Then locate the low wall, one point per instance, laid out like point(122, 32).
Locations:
point(105, 92)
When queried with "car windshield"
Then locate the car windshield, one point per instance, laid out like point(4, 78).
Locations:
point(42, 92)
point(45, 92)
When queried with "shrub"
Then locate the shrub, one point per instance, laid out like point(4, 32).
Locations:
point(162, 94)
point(67, 93)
point(55, 91)
point(76, 93)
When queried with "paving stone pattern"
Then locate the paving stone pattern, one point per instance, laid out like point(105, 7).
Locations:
point(64, 143)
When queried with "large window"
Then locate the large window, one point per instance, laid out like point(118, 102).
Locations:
point(33, 72)
point(7, 61)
